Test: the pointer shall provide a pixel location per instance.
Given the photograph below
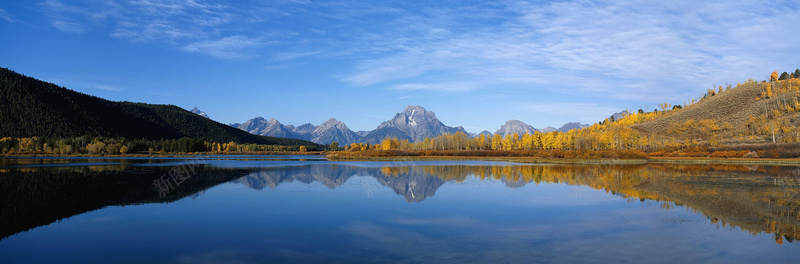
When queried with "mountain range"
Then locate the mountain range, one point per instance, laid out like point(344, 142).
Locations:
point(519, 127)
point(415, 123)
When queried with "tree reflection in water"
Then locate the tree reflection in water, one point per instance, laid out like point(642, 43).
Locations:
point(757, 199)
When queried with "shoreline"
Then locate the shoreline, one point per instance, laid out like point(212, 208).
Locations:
point(160, 155)
point(517, 159)
point(544, 160)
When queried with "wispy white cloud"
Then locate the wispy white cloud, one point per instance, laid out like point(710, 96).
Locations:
point(628, 50)
point(294, 55)
point(156, 30)
point(5, 16)
point(634, 50)
point(69, 26)
point(442, 87)
point(233, 47)
point(64, 17)
point(170, 19)
point(370, 72)
point(191, 25)
point(60, 7)
point(108, 87)
point(205, 27)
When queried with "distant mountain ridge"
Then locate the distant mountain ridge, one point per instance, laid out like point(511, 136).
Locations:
point(271, 128)
point(415, 123)
point(572, 125)
point(519, 127)
point(515, 126)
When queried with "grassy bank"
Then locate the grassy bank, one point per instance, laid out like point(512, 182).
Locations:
point(553, 157)
point(551, 153)
point(502, 159)
point(590, 158)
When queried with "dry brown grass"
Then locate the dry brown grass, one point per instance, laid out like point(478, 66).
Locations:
point(732, 106)
point(550, 153)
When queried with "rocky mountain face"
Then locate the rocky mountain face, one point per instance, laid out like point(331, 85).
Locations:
point(307, 128)
point(272, 128)
point(519, 127)
point(571, 125)
point(198, 112)
point(414, 123)
point(375, 136)
point(515, 126)
point(620, 114)
point(330, 131)
point(333, 130)
point(548, 129)
point(417, 123)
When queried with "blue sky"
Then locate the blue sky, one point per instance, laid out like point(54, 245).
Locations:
point(476, 64)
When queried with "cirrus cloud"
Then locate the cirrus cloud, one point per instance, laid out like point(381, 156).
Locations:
point(233, 47)
point(633, 50)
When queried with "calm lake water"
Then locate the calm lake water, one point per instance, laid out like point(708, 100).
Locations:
point(300, 209)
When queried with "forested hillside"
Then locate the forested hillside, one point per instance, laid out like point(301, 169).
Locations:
point(33, 108)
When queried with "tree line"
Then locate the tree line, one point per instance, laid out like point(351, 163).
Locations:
point(778, 123)
point(607, 135)
point(122, 146)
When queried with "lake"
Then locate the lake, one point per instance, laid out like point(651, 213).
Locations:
point(300, 209)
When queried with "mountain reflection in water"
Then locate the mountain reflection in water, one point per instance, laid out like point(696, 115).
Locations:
point(757, 199)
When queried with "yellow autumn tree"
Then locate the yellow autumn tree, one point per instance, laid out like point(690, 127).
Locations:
point(497, 142)
point(357, 146)
point(480, 141)
point(509, 141)
point(527, 142)
point(537, 140)
point(767, 93)
point(389, 143)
